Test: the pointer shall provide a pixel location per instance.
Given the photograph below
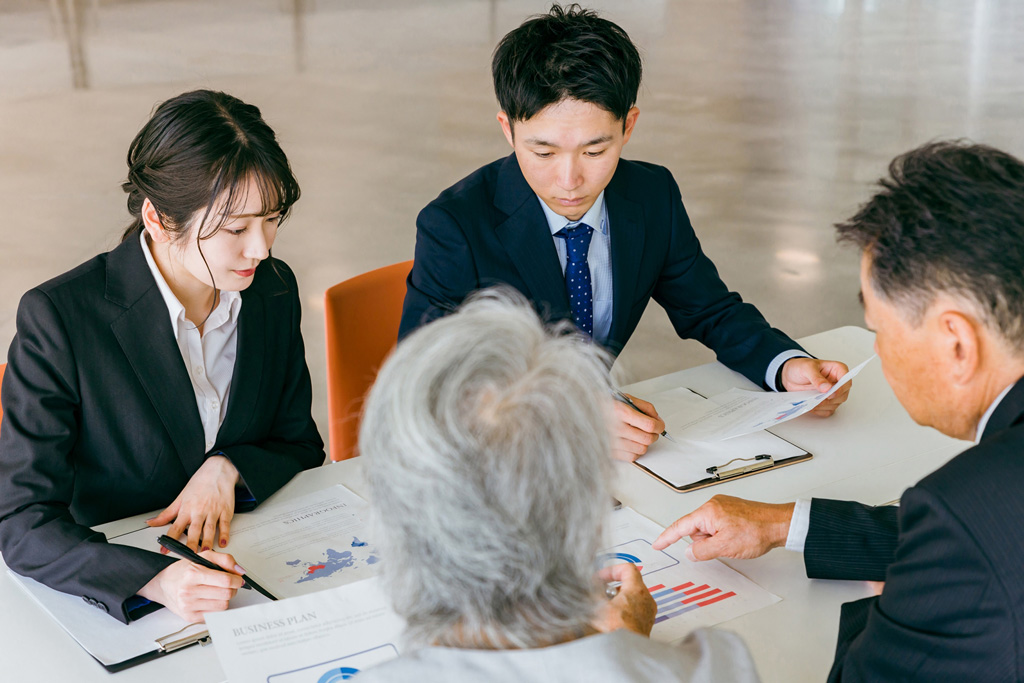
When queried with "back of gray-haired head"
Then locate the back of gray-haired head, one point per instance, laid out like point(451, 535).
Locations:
point(486, 448)
point(949, 218)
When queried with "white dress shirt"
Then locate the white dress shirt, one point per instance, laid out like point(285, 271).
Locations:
point(209, 358)
point(801, 522)
point(600, 262)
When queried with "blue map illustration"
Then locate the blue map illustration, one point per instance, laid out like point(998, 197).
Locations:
point(337, 561)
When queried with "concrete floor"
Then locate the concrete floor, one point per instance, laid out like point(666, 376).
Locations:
point(775, 118)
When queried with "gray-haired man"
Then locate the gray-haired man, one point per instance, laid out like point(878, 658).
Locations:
point(487, 450)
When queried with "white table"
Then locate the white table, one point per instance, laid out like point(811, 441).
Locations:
point(869, 451)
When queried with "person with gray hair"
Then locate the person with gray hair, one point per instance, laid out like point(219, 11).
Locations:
point(487, 447)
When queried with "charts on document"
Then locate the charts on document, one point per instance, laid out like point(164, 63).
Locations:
point(689, 594)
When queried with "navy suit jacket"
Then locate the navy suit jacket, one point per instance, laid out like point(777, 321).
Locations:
point(489, 229)
point(100, 419)
point(952, 557)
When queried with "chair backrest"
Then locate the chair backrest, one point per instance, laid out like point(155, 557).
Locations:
point(3, 366)
point(362, 315)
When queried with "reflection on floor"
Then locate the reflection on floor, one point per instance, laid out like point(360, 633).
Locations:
point(774, 117)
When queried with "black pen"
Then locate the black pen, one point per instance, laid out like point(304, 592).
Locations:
point(619, 396)
point(179, 548)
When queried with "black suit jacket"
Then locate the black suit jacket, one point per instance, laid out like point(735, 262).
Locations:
point(100, 420)
point(489, 229)
point(952, 557)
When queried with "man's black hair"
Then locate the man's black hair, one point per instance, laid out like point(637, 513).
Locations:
point(570, 52)
point(950, 218)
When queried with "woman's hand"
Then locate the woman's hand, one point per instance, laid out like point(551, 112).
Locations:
point(632, 607)
point(204, 506)
point(190, 590)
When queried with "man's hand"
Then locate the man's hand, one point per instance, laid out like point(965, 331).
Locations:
point(632, 607)
point(190, 590)
point(730, 527)
point(811, 374)
point(204, 506)
point(635, 431)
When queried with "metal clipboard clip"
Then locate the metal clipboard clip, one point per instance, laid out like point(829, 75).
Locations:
point(761, 462)
point(183, 637)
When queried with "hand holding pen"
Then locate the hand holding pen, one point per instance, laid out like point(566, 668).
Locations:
point(182, 550)
point(638, 427)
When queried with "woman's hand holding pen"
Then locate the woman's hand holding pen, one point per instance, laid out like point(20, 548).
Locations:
point(635, 431)
point(190, 590)
point(632, 607)
point(205, 506)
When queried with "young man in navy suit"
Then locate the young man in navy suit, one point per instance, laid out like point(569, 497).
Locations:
point(583, 233)
point(942, 282)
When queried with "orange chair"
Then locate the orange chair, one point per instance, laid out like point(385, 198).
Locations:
point(362, 316)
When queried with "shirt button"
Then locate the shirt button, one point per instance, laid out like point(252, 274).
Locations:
point(199, 371)
point(209, 445)
point(214, 404)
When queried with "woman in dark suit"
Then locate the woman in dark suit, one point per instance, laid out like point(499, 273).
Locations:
point(167, 373)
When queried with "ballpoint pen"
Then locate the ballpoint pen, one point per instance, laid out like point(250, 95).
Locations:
point(179, 548)
point(619, 396)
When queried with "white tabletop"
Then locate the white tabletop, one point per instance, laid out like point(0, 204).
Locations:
point(869, 450)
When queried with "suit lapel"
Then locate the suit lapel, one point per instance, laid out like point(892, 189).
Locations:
point(627, 247)
point(527, 239)
point(248, 370)
point(145, 335)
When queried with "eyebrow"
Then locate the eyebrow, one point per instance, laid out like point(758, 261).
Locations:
point(544, 143)
point(251, 215)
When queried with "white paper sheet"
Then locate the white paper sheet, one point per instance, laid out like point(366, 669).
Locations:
point(301, 546)
point(689, 594)
point(737, 412)
point(329, 636)
point(685, 461)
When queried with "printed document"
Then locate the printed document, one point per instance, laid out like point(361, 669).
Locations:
point(330, 636)
point(689, 594)
point(737, 412)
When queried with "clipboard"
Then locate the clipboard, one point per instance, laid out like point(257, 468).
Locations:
point(686, 466)
point(116, 646)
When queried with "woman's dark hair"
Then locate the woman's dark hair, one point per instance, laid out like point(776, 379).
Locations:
point(196, 147)
point(949, 218)
point(567, 53)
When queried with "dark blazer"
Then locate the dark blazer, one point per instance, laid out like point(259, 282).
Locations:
point(489, 228)
point(952, 557)
point(100, 419)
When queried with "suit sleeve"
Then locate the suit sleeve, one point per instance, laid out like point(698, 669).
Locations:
point(933, 620)
point(443, 272)
point(293, 443)
point(851, 541)
point(38, 536)
point(701, 307)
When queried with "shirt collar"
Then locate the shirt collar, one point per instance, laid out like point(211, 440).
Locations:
point(227, 307)
point(595, 217)
point(983, 422)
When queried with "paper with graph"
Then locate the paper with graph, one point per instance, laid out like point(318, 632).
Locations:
point(689, 594)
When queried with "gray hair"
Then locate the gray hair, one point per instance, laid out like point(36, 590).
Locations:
point(486, 448)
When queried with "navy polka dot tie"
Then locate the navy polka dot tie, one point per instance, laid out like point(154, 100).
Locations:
point(577, 275)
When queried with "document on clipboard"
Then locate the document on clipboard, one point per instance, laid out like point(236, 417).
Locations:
point(297, 546)
point(688, 465)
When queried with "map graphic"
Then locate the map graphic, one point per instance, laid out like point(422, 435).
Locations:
point(357, 555)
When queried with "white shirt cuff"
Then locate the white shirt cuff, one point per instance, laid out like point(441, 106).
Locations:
point(799, 525)
point(773, 367)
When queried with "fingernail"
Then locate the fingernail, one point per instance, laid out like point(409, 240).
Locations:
point(205, 548)
point(689, 554)
point(223, 543)
point(238, 568)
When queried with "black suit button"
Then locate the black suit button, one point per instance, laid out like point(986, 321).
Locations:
point(102, 606)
